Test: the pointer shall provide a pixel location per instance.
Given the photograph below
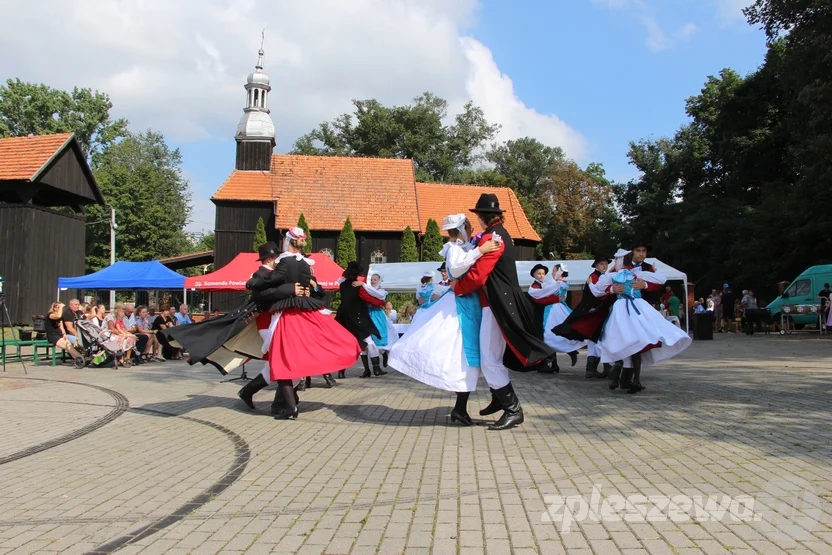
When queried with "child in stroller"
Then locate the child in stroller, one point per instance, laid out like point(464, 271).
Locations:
point(102, 346)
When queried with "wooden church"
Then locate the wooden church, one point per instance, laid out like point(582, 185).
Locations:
point(380, 195)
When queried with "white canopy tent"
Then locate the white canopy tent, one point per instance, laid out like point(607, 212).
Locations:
point(404, 277)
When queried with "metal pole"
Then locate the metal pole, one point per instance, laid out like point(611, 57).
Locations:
point(112, 250)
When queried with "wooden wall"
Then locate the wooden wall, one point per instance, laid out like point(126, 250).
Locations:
point(65, 174)
point(37, 246)
point(254, 155)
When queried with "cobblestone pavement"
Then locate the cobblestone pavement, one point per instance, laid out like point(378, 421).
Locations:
point(165, 459)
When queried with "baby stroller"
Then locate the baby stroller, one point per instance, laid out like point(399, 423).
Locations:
point(100, 346)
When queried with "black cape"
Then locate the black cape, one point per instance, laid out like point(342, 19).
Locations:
point(353, 314)
point(587, 319)
point(516, 314)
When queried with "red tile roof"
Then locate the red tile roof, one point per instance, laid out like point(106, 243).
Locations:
point(378, 194)
point(437, 200)
point(22, 158)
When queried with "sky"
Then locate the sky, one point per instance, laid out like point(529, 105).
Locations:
point(586, 75)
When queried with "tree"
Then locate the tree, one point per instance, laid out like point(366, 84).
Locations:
point(305, 227)
point(346, 245)
point(432, 243)
point(141, 177)
point(260, 238)
point(415, 131)
point(409, 251)
point(526, 164)
point(35, 109)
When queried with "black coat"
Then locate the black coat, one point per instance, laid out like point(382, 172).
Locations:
point(587, 320)
point(277, 289)
point(353, 314)
point(515, 312)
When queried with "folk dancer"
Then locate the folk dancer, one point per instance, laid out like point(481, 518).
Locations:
point(354, 316)
point(304, 341)
point(593, 358)
point(552, 295)
point(444, 352)
point(443, 271)
point(426, 294)
point(377, 303)
point(507, 316)
point(635, 334)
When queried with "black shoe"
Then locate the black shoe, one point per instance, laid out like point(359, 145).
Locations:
point(279, 404)
point(252, 387)
point(636, 386)
point(463, 419)
point(286, 415)
point(592, 368)
point(615, 374)
point(573, 356)
point(365, 360)
point(513, 415)
point(626, 378)
point(308, 382)
point(342, 374)
point(377, 371)
point(384, 356)
point(330, 381)
point(545, 368)
point(492, 407)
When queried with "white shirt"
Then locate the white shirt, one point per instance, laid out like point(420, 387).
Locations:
point(393, 316)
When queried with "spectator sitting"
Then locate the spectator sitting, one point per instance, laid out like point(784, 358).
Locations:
point(68, 316)
point(116, 322)
point(144, 326)
point(92, 315)
point(183, 317)
point(56, 333)
point(162, 322)
point(215, 313)
point(391, 312)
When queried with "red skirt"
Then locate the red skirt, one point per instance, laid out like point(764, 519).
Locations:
point(310, 344)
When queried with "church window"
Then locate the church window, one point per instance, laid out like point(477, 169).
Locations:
point(378, 257)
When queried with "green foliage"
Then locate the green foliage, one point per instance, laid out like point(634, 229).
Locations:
point(346, 245)
point(432, 242)
point(305, 227)
point(409, 252)
point(415, 131)
point(335, 302)
point(35, 109)
point(141, 177)
point(260, 238)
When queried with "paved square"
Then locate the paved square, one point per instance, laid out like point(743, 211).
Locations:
point(165, 459)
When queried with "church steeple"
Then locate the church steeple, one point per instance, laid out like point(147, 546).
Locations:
point(255, 132)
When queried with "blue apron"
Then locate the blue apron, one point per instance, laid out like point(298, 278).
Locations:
point(379, 318)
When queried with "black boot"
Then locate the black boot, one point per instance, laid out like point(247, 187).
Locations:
point(573, 356)
point(592, 368)
point(252, 387)
point(460, 410)
point(607, 370)
point(342, 374)
point(302, 385)
point(289, 411)
point(278, 406)
point(636, 385)
point(384, 356)
point(513, 415)
point(615, 374)
point(627, 378)
point(493, 406)
point(366, 361)
point(376, 368)
point(330, 381)
point(308, 383)
point(549, 366)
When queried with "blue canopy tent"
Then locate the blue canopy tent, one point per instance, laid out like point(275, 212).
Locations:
point(143, 276)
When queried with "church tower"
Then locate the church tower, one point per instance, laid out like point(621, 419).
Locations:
point(255, 132)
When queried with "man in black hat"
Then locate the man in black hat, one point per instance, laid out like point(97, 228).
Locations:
point(542, 306)
point(445, 281)
point(508, 318)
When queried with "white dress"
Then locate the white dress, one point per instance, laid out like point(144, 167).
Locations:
point(432, 351)
point(556, 315)
point(634, 325)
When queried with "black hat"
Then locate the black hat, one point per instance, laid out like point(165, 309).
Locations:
point(600, 259)
point(488, 202)
point(639, 243)
point(267, 249)
point(353, 269)
point(442, 268)
point(538, 267)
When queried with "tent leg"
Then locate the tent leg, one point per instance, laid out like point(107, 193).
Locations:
point(210, 297)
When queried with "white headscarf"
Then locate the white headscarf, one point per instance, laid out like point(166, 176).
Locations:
point(456, 221)
point(618, 262)
point(294, 233)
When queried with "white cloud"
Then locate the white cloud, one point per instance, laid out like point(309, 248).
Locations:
point(729, 12)
point(179, 67)
point(657, 38)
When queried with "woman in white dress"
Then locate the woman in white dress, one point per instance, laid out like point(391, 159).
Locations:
point(635, 334)
point(442, 348)
point(556, 313)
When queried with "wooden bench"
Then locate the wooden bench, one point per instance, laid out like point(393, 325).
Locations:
point(36, 344)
